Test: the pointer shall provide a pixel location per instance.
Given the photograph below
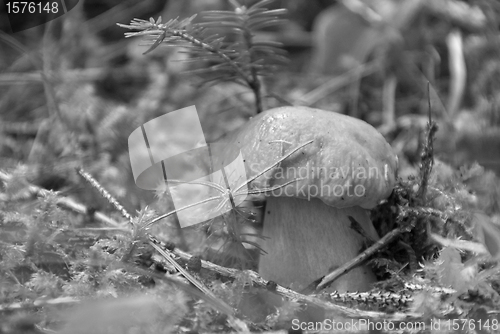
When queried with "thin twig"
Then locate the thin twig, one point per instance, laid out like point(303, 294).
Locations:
point(358, 260)
point(155, 220)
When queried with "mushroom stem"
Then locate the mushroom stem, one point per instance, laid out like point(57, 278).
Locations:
point(307, 238)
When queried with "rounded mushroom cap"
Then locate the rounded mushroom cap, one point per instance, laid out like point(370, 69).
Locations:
point(348, 163)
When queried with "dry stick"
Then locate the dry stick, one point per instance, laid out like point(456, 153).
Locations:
point(384, 241)
point(412, 261)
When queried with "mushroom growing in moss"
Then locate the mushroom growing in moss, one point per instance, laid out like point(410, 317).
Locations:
point(346, 170)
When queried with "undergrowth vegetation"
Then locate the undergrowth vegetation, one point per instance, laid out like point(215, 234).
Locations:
point(83, 250)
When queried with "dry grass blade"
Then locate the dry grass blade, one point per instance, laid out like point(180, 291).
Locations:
point(213, 185)
point(155, 220)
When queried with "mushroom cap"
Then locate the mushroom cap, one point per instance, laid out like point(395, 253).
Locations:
point(349, 163)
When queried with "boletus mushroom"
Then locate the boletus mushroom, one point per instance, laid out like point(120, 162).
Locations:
point(346, 170)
